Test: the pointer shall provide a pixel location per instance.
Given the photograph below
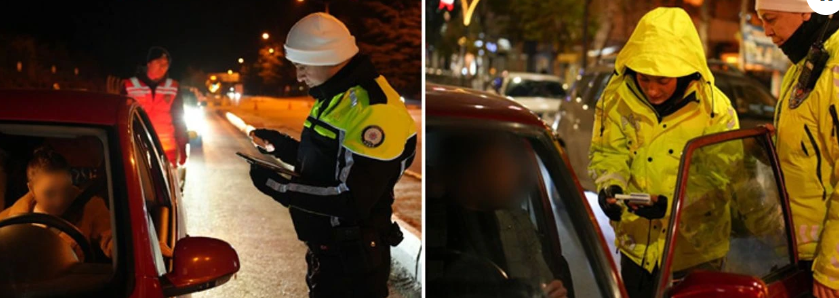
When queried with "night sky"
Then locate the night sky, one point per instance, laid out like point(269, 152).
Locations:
point(208, 35)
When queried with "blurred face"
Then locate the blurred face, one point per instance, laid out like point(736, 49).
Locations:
point(781, 25)
point(52, 191)
point(496, 179)
point(657, 89)
point(314, 76)
point(157, 68)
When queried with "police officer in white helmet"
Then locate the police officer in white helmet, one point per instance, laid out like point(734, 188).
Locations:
point(355, 145)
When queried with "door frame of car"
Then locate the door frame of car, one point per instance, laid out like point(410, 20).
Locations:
point(175, 228)
point(764, 135)
point(546, 146)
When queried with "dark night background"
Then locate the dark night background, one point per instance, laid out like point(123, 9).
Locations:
point(110, 38)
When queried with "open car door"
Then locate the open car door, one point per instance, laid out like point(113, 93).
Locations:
point(730, 226)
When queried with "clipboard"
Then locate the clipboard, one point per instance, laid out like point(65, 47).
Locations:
point(268, 165)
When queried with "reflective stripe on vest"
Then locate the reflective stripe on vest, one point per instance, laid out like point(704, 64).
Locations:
point(158, 107)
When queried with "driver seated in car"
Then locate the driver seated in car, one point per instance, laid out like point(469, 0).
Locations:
point(484, 181)
point(51, 191)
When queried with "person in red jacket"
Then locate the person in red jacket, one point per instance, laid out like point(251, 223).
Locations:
point(158, 95)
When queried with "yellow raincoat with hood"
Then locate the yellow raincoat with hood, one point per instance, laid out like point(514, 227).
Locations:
point(808, 149)
point(634, 148)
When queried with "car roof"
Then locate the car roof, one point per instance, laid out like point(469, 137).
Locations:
point(74, 107)
point(458, 102)
point(600, 68)
point(534, 76)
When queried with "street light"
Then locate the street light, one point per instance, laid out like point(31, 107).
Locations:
point(265, 35)
point(325, 4)
point(230, 71)
point(271, 50)
point(241, 60)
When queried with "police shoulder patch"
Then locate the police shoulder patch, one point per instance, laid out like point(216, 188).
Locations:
point(372, 136)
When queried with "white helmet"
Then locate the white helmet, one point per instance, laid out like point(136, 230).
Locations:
point(320, 39)
point(783, 5)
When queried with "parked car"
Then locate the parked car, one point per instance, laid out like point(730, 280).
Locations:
point(575, 118)
point(550, 232)
point(115, 155)
point(541, 93)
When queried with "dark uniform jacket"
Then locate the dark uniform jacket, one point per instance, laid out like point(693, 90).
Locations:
point(357, 141)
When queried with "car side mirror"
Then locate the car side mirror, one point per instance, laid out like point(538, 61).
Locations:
point(719, 284)
point(199, 263)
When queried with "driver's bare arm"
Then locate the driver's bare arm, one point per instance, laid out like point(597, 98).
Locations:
point(96, 225)
point(555, 289)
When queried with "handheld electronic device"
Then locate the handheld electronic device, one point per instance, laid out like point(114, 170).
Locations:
point(635, 198)
point(268, 165)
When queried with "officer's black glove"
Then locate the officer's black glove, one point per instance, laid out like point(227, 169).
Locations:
point(260, 177)
point(285, 147)
point(613, 211)
point(655, 211)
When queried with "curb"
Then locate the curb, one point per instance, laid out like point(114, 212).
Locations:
point(407, 255)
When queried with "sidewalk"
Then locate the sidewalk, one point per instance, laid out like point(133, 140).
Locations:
point(288, 114)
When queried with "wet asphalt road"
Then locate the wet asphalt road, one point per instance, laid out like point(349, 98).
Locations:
point(221, 202)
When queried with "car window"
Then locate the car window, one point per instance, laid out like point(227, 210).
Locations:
point(573, 252)
point(581, 87)
point(152, 159)
point(725, 87)
point(497, 210)
point(159, 263)
point(752, 100)
point(38, 259)
point(519, 87)
point(155, 191)
point(598, 87)
point(732, 219)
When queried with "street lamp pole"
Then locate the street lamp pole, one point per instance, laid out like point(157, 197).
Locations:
point(584, 61)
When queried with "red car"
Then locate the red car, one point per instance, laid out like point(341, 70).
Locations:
point(115, 156)
point(507, 216)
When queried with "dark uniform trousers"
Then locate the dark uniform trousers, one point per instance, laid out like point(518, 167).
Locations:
point(355, 145)
point(327, 277)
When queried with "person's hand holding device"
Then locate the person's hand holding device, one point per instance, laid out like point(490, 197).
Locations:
point(267, 176)
point(644, 205)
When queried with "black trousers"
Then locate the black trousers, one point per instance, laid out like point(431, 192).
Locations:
point(326, 277)
point(638, 281)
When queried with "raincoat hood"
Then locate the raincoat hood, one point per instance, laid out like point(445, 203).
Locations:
point(633, 146)
point(665, 43)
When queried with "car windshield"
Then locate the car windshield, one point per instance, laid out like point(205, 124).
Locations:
point(521, 87)
point(56, 223)
point(496, 199)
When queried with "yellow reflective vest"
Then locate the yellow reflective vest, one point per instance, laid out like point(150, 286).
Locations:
point(808, 148)
point(635, 149)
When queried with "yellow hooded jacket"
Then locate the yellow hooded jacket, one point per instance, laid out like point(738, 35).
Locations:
point(634, 149)
point(808, 149)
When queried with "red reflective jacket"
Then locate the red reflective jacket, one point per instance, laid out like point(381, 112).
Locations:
point(165, 110)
